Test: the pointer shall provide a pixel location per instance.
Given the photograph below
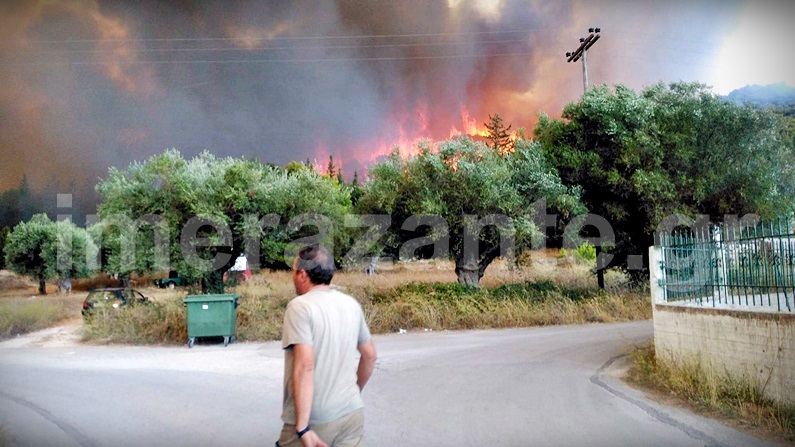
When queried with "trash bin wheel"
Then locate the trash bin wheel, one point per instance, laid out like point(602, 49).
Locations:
point(191, 341)
point(226, 341)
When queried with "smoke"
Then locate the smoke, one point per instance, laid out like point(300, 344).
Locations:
point(87, 85)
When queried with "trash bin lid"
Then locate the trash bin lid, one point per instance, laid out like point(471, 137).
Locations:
point(211, 298)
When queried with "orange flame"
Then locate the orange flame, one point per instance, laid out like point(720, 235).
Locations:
point(470, 126)
point(410, 129)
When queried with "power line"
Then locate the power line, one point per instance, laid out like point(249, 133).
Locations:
point(363, 36)
point(320, 47)
point(257, 61)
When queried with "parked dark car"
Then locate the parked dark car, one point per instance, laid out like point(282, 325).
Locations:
point(174, 280)
point(111, 298)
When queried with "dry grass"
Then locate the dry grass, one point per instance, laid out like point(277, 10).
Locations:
point(475, 312)
point(737, 400)
point(425, 295)
point(160, 321)
point(408, 296)
point(10, 282)
point(27, 314)
point(95, 282)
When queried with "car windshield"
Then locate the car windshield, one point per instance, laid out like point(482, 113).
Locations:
point(98, 295)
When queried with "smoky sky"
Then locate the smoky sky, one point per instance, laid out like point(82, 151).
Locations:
point(87, 85)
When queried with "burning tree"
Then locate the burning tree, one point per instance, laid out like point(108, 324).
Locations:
point(472, 203)
point(498, 136)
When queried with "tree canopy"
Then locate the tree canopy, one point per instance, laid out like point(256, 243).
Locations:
point(43, 249)
point(463, 182)
point(640, 157)
point(230, 206)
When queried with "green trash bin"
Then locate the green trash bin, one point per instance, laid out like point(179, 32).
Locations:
point(211, 316)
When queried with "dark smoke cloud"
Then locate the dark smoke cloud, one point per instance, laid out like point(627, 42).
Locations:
point(86, 85)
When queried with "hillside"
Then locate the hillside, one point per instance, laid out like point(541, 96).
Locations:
point(764, 95)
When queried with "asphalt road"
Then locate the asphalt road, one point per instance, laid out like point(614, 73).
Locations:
point(553, 386)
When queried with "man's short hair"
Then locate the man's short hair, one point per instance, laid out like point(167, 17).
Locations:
point(317, 262)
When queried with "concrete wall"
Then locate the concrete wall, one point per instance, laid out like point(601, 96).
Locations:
point(757, 344)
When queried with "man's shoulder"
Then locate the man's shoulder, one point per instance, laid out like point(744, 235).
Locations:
point(300, 304)
point(345, 297)
point(327, 296)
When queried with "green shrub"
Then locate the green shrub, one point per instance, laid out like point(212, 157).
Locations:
point(585, 252)
point(433, 291)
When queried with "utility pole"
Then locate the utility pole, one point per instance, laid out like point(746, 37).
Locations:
point(582, 53)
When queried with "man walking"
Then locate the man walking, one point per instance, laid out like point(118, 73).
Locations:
point(323, 330)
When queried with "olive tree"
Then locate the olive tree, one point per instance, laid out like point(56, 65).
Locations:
point(640, 157)
point(197, 216)
point(465, 197)
point(43, 249)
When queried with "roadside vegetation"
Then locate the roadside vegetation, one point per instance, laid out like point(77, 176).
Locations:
point(736, 400)
point(27, 314)
point(22, 311)
point(412, 296)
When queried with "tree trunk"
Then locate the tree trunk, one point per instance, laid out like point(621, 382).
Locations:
point(470, 272)
point(468, 278)
point(600, 271)
point(42, 287)
point(213, 282)
point(64, 284)
point(371, 269)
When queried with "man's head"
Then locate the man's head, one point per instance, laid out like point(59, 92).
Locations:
point(313, 266)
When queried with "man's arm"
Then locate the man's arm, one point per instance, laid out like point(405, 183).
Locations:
point(303, 387)
point(366, 363)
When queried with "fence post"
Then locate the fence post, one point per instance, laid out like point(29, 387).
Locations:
point(656, 275)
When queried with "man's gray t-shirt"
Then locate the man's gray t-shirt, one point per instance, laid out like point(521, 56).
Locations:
point(333, 323)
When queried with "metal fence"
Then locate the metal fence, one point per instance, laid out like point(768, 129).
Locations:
point(745, 266)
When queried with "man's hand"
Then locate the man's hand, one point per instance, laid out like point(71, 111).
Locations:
point(310, 439)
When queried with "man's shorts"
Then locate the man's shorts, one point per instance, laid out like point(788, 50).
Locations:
point(347, 431)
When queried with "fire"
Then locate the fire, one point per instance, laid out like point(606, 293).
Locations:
point(470, 126)
point(409, 131)
point(412, 129)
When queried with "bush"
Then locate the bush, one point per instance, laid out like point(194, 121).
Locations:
point(585, 252)
point(430, 291)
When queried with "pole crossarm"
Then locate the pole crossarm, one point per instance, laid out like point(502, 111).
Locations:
point(582, 51)
point(575, 56)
